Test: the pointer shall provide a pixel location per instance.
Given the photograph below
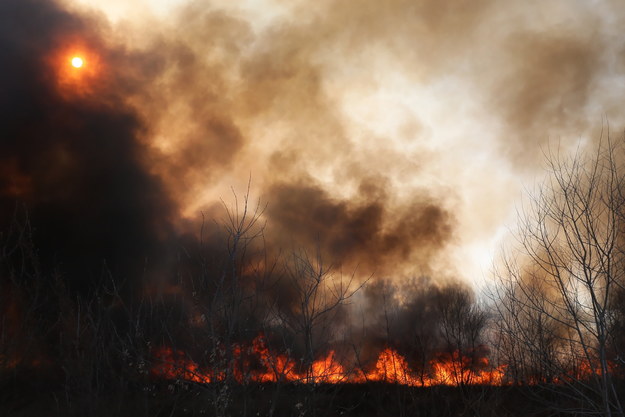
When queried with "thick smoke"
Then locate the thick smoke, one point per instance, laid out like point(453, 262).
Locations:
point(114, 166)
point(348, 230)
point(237, 100)
point(70, 154)
point(242, 95)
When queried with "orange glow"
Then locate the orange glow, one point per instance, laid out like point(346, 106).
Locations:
point(392, 367)
point(258, 363)
point(78, 69)
point(328, 370)
point(174, 365)
point(77, 62)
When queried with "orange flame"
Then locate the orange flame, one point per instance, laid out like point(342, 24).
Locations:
point(392, 367)
point(259, 364)
point(175, 365)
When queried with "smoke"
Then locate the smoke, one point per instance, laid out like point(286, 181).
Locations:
point(347, 230)
point(389, 139)
point(388, 136)
point(420, 318)
point(70, 154)
point(238, 100)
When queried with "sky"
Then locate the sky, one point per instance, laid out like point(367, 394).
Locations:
point(397, 136)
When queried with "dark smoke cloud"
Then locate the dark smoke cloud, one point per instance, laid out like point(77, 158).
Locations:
point(73, 159)
point(363, 231)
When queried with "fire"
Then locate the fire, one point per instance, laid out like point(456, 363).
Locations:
point(392, 367)
point(454, 369)
point(457, 369)
point(258, 363)
point(175, 365)
point(267, 367)
point(328, 370)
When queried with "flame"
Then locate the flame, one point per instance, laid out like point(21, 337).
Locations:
point(258, 363)
point(276, 367)
point(328, 370)
point(392, 367)
point(458, 369)
point(173, 364)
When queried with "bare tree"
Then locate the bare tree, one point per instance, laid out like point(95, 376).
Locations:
point(320, 294)
point(555, 295)
point(231, 267)
point(462, 322)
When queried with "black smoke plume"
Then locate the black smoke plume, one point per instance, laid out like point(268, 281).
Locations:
point(74, 161)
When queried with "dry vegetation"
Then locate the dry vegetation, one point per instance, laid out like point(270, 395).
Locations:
point(247, 333)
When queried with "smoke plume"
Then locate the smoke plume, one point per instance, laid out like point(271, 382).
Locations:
point(116, 165)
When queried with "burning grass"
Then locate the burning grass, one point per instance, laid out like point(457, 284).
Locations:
point(257, 363)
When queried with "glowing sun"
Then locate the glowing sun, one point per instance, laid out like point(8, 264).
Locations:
point(77, 62)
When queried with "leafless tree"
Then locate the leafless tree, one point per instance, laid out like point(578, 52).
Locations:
point(320, 294)
point(231, 266)
point(555, 293)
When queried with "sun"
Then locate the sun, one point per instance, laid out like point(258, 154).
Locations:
point(78, 68)
point(77, 62)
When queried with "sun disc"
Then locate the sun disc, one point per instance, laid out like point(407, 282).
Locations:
point(77, 62)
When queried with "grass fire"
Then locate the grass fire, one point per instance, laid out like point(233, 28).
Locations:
point(300, 209)
point(258, 364)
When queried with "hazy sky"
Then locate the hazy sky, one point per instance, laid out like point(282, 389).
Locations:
point(399, 133)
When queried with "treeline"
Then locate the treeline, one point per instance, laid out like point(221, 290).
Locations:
point(232, 312)
point(552, 322)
